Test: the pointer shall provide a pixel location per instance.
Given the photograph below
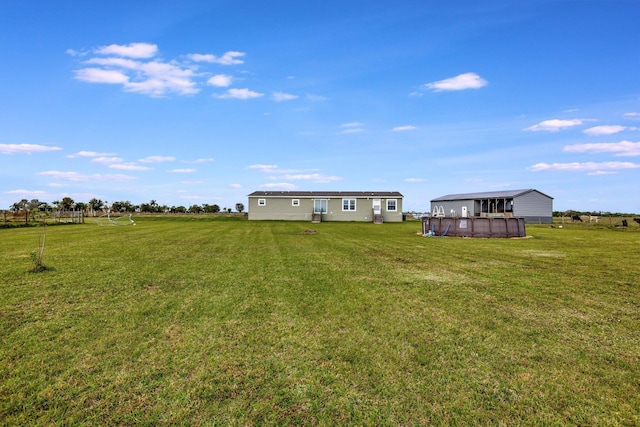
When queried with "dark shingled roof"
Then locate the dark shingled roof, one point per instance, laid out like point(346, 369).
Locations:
point(504, 194)
point(325, 194)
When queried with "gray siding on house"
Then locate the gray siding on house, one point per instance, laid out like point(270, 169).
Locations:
point(279, 206)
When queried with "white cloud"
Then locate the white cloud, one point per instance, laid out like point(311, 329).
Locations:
point(632, 115)
point(351, 125)
point(294, 174)
point(315, 177)
point(554, 125)
point(107, 160)
point(199, 57)
point(586, 166)
point(622, 148)
point(459, 82)
point(118, 63)
point(414, 180)
point(283, 185)
point(282, 96)
point(228, 58)
point(403, 128)
point(128, 167)
point(197, 161)
point(220, 80)
point(182, 170)
point(77, 177)
point(235, 185)
point(157, 159)
point(127, 67)
point(607, 130)
point(89, 154)
point(27, 194)
point(263, 168)
point(598, 173)
point(26, 148)
point(132, 50)
point(98, 75)
point(348, 131)
point(150, 78)
point(239, 94)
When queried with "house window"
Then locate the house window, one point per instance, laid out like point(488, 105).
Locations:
point(392, 205)
point(295, 202)
point(262, 202)
point(348, 204)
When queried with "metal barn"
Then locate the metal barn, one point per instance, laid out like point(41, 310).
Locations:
point(532, 205)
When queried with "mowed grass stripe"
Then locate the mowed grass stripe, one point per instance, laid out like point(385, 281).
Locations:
point(195, 320)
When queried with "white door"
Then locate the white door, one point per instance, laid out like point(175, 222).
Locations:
point(377, 207)
point(320, 206)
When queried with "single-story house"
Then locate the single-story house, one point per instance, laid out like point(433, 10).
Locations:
point(317, 206)
point(530, 204)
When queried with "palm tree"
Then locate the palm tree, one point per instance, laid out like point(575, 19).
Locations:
point(95, 205)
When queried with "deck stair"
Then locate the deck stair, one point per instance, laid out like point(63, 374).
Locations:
point(378, 219)
point(316, 217)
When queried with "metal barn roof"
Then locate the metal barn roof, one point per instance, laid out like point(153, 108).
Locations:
point(487, 195)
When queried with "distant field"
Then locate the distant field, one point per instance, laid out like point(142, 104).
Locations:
point(221, 321)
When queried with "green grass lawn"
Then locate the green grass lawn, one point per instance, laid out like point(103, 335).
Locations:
point(220, 321)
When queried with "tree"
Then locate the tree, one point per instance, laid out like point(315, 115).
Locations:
point(18, 206)
point(123, 206)
point(239, 207)
point(44, 207)
point(210, 208)
point(152, 206)
point(195, 209)
point(67, 203)
point(95, 205)
point(27, 207)
point(81, 206)
point(37, 256)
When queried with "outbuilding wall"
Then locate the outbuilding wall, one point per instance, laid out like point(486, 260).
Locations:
point(534, 207)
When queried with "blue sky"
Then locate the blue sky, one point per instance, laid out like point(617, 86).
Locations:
point(196, 102)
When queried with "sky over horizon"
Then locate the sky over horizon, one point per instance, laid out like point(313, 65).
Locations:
point(198, 102)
